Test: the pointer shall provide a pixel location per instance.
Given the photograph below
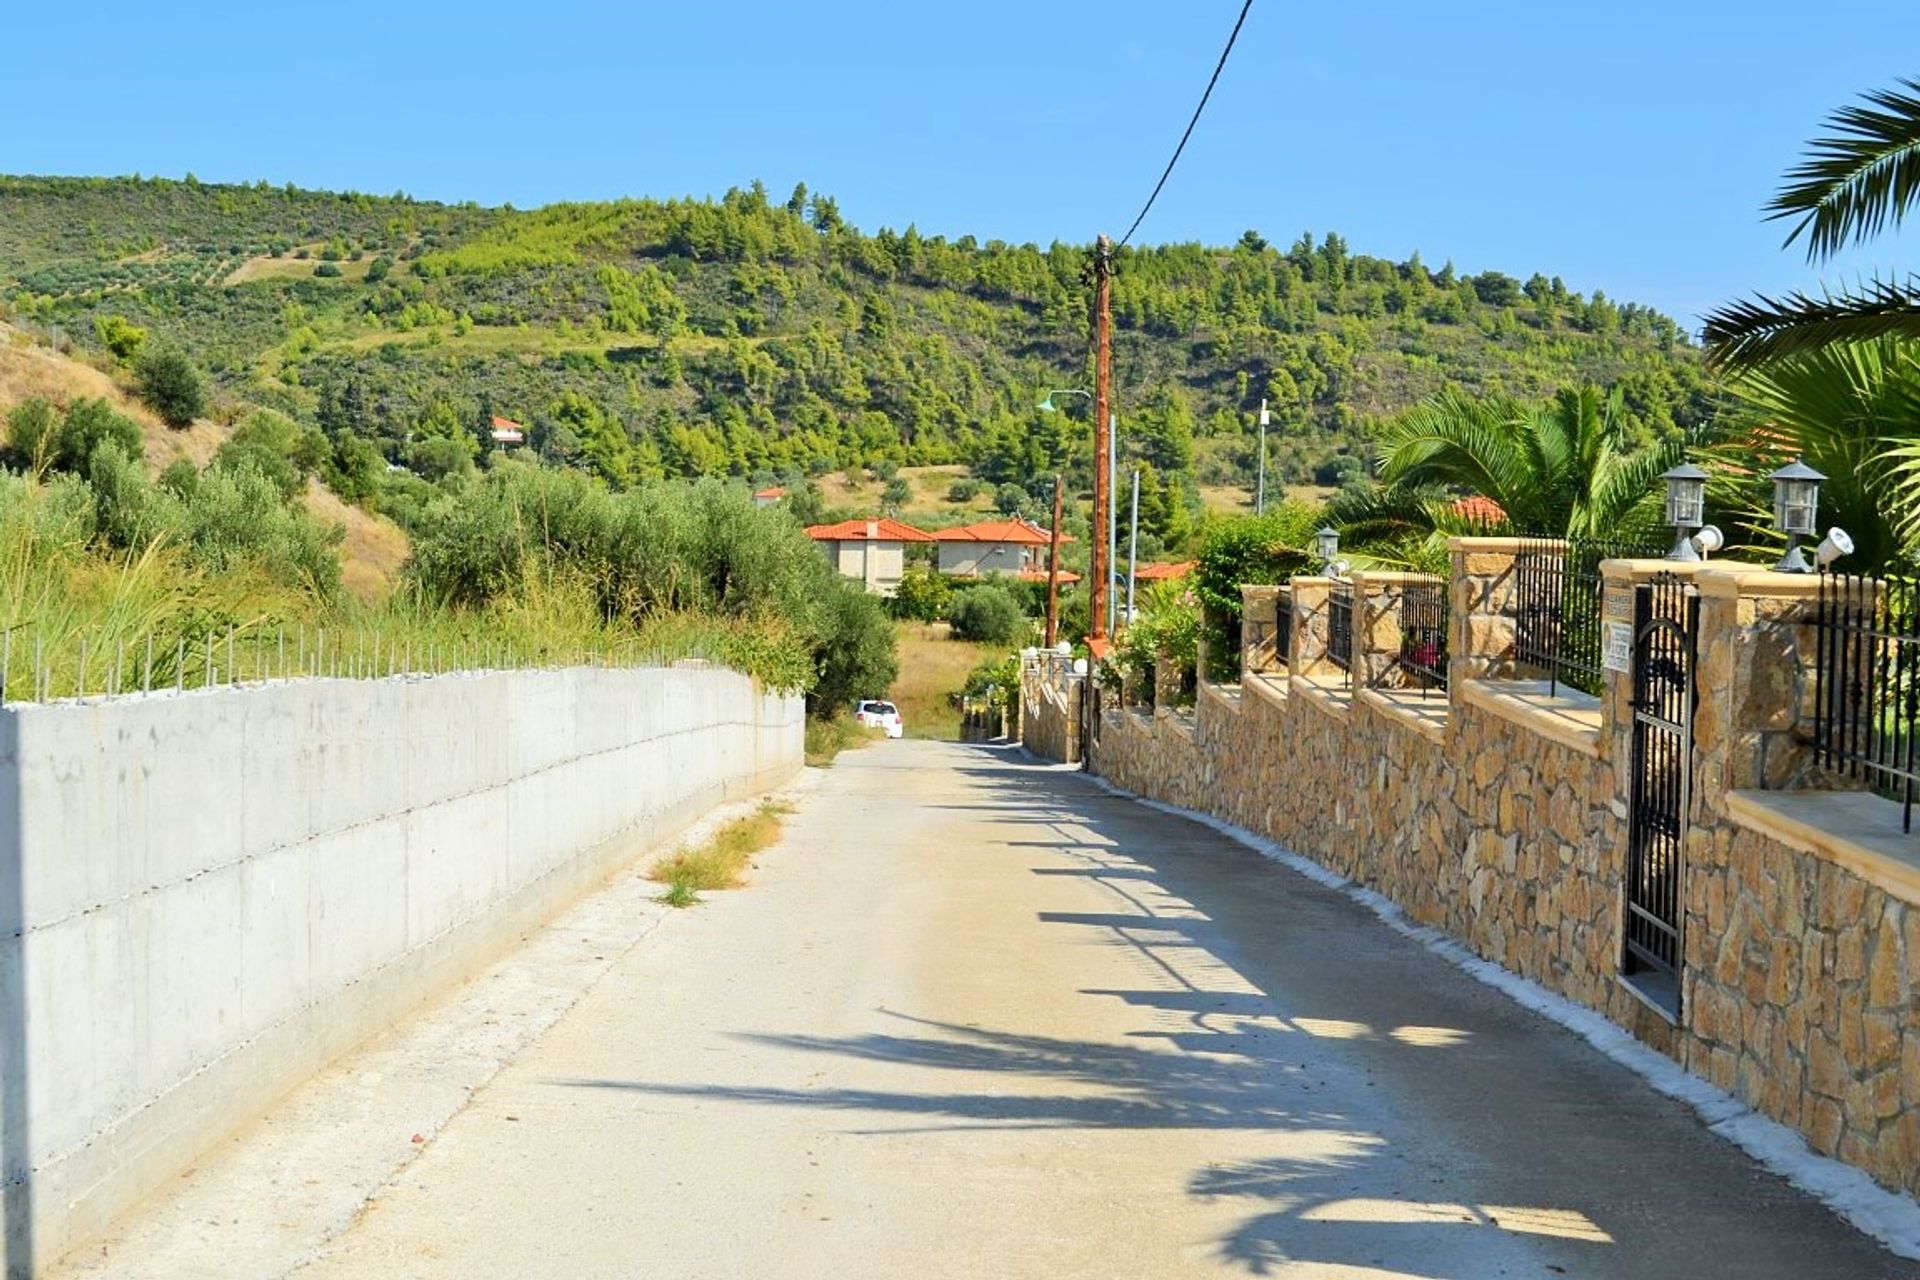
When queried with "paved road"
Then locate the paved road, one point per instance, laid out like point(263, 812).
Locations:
point(976, 1018)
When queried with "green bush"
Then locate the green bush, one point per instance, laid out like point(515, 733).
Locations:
point(33, 435)
point(924, 595)
point(272, 444)
point(327, 271)
point(88, 425)
point(120, 336)
point(171, 385)
point(856, 655)
point(963, 490)
point(987, 613)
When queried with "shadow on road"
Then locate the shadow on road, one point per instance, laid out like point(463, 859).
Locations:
point(1424, 1126)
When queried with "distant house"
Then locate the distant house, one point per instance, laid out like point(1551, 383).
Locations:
point(1481, 510)
point(1160, 571)
point(995, 546)
point(871, 552)
point(507, 433)
point(767, 497)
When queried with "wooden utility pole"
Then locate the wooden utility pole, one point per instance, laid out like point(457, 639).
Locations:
point(1102, 436)
point(1053, 570)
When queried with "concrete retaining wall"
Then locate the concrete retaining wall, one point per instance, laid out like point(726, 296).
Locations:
point(205, 897)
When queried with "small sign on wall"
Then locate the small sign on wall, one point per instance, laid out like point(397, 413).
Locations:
point(1616, 646)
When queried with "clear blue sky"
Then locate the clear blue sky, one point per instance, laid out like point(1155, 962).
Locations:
point(1625, 146)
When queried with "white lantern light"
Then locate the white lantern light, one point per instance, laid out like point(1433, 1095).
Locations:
point(1686, 507)
point(1329, 540)
point(1796, 510)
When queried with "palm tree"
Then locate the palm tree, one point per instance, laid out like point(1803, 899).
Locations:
point(1852, 411)
point(1562, 468)
point(1851, 185)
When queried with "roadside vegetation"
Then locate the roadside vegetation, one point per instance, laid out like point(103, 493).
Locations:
point(828, 736)
point(722, 861)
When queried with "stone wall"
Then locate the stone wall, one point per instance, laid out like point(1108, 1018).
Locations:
point(1498, 812)
point(1052, 696)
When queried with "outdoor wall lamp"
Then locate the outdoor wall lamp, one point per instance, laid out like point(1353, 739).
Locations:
point(1686, 507)
point(1836, 544)
point(1709, 540)
point(1328, 540)
point(1796, 509)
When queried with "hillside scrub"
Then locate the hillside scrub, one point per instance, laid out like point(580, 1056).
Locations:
point(643, 339)
point(660, 551)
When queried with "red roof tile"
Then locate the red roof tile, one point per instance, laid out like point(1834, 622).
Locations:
point(506, 424)
point(1481, 509)
point(775, 492)
point(1159, 571)
point(1067, 576)
point(1021, 532)
point(882, 530)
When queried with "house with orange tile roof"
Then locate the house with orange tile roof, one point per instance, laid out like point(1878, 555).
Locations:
point(995, 546)
point(1481, 510)
point(871, 552)
point(506, 432)
point(767, 497)
point(1161, 571)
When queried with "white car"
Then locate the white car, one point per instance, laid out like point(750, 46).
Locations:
point(874, 714)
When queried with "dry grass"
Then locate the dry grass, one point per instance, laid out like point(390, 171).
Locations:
point(373, 550)
point(1238, 499)
point(828, 738)
point(722, 862)
point(267, 267)
point(28, 370)
point(933, 667)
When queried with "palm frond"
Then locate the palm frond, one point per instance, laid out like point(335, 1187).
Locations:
point(1757, 331)
point(1859, 179)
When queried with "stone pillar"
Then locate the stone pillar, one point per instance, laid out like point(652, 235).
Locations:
point(1258, 628)
point(1166, 683)
point(1756, 675)
point(1309, 656)
point(1379, 631)
point(1480, 640)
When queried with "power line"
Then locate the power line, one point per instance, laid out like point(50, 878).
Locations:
point(1218, 68)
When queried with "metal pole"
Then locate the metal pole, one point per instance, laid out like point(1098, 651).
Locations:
point(1113, 512)
point(1133, 542)
point(1053, 568)
point(1102, 389)
point(1260, 491)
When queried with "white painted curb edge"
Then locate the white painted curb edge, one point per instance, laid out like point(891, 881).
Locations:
point(1890, 1218)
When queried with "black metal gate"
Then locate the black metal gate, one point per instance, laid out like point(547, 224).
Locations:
point(1665, 619)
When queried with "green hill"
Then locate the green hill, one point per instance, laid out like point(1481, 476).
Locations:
point(758, 337)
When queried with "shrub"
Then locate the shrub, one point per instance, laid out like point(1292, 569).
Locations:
point(171, 385)
point(271, 444)
point(855, 654)
point(1011, 499)
point(88, 425)
point(963, 490)
point(987, 613)
point(924, 595)
point(33, 434)
point(327, 270)
point(119, 336)
point(897, 494)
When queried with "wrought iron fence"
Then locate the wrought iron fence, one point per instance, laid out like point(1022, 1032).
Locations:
point(1557, 593)
point(1340, 627)
point(1283, 628)
point(1423, 635)
point(1866, 723)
